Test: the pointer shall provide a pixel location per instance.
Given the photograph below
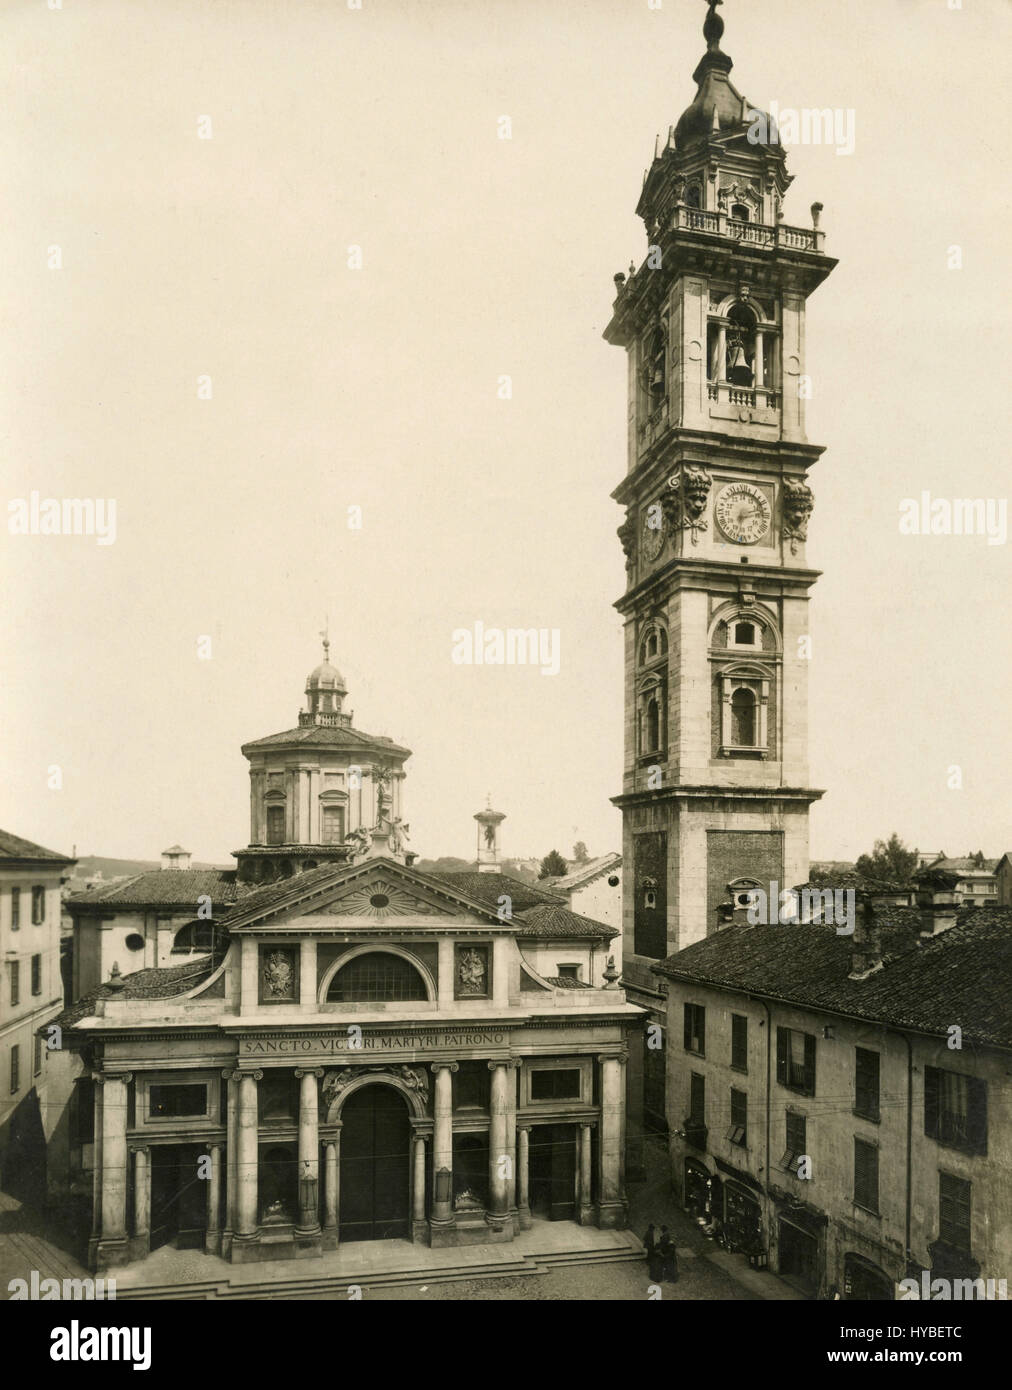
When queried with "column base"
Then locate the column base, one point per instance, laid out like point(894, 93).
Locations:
point(524, 1219)
point(212, 1242)
point(612, 1216)
point(140, 1246)
point(111, 1253)
point(587, 1216)
point(442, 1233)
point(420, 1231)
point(329, 1240)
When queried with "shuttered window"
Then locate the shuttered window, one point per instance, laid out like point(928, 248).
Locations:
point(739, 1042)
point(866, 1175)
point(738, 1133)
point(866, 1083)
point(955, 1110)
point(954, 1210)
point(697, 1099)
point(695, 1029)
point(796, 1060)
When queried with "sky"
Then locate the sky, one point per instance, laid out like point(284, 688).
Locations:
point(182, 182)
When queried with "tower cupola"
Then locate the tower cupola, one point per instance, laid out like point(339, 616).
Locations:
point(325, 692)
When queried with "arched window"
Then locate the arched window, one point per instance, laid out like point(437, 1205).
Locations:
point(654, 645)
point(740, 212)
point(196, 936)
point(743, 718)
point(693, 196)
point(653, 725)
point(740, 345)
point(744, 634)
point(377, 977)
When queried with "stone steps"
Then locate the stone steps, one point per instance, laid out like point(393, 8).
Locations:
point(265, 1289)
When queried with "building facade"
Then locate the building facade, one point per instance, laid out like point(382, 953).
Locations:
point(715, 786)
point(374, 1053)
point(31, 998)
point(841, 1108)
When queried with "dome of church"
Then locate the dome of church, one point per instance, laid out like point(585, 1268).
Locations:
point(716, 106)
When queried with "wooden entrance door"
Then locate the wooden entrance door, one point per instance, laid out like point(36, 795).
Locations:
point(799, 1256)
point(553, 1172)
point(178, 1196)
point(375, 1149)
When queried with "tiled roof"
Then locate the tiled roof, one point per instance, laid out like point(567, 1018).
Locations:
point(488, 888)
point(844, 877)
point(258, 899)
point(965, 865)
point(328, 736)
point(164, 983)
point(553, 923)
point(13, 847)
point(567, 982)
point(583, 873)
point(958, 977)
point(164, 888)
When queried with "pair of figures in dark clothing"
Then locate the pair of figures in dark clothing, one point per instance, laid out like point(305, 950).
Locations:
point(662, 1258)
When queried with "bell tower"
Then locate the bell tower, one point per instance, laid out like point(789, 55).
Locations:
point(715, 787)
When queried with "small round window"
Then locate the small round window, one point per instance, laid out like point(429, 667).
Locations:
point(134, 942)
point(379, 900)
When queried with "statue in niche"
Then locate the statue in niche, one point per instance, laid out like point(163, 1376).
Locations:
point(490, 836)
point(471, 972)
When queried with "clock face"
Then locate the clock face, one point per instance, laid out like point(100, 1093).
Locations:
point(743, 513)
point(652, 532)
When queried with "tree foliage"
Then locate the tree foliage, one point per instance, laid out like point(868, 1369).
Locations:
point(889, 860)
point(553, 865)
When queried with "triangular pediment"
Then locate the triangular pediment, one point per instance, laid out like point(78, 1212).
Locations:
point(374, 893)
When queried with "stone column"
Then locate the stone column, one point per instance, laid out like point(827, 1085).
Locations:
point(524, 1178)
point(511, 1139)
point(248, 1159)
point(113, 1246)
point(442, 1219)
point(497, 1148)
point(586, 1210)
point(611, 1208)
point(331, 1189)
point(722, 353)
point(309, 1149)
point(141, 1244)
point(231, 1144)
point(758, 363)
point(418, 1226)
point(96, 1173)
point(212, 1236)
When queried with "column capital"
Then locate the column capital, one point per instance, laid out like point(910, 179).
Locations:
point(620, 1057)
point(524, 1126)
point(435, 1067)
point(230, 1073)
point(101, 1077)
point(309, 1071)
point(140, 1148)
point(256, 1075)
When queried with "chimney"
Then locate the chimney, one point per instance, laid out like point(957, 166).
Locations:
point(175, 858)
point(937, 901)
point(866, 941)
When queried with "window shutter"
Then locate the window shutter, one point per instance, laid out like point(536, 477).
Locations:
point(809, 1064)
point(977, 1126)
point(782, 1056)
point(687, 1016)
point(930, 1101)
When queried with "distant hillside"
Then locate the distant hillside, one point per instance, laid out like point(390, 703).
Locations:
point(90, 865)
point(449, 865)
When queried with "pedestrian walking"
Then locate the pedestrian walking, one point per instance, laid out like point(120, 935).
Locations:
point(654, 1264)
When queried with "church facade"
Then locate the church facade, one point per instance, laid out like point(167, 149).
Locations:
point(369, 1052)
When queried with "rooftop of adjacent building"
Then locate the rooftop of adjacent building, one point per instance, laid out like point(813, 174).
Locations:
point(179, 888)
point(581, 874)
point(926, 983)
point(14, 848)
